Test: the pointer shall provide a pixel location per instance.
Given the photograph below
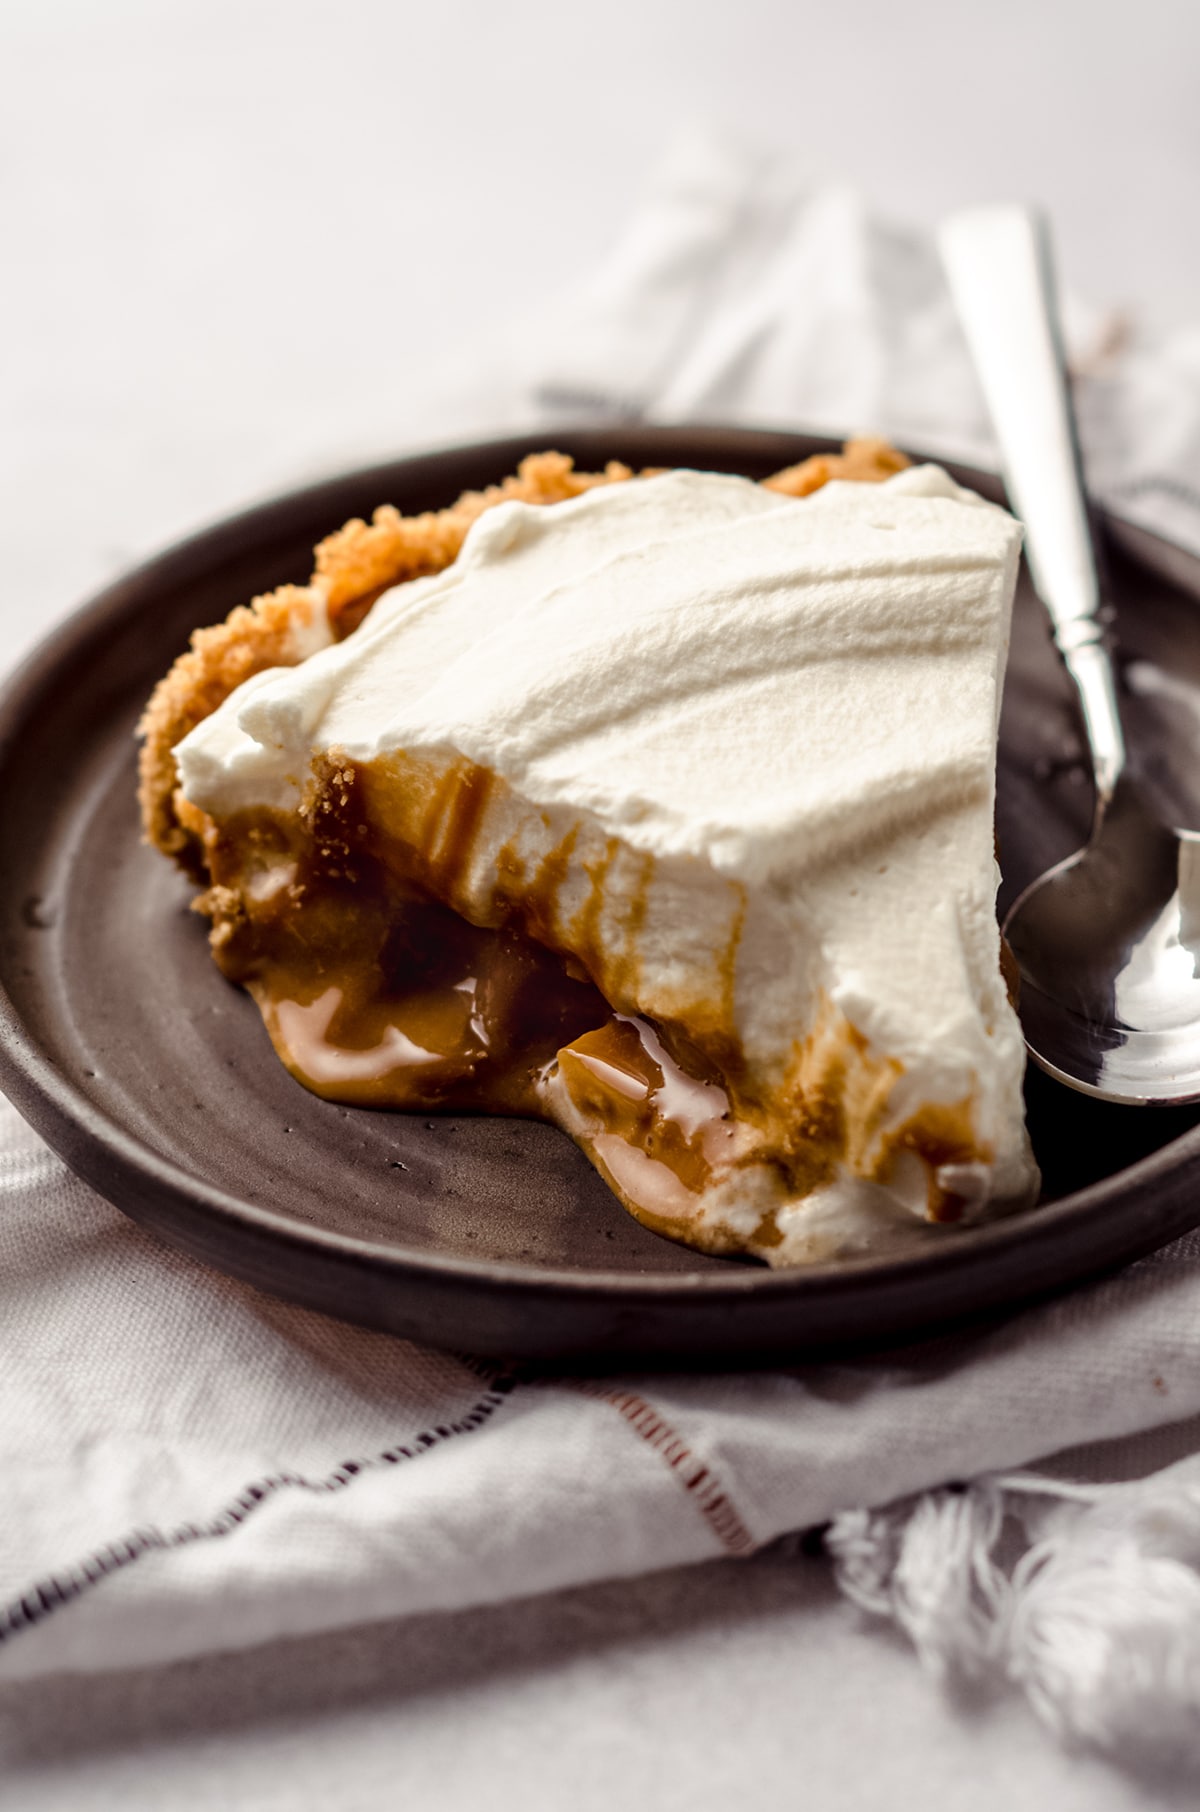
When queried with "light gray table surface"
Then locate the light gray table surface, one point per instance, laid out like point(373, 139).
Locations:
point(243, 244)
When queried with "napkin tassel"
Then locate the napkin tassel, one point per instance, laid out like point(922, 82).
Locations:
point(1087, 1597)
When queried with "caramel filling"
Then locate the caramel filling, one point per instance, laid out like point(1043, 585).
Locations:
point(377, 993)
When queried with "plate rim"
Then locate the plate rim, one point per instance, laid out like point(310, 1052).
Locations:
point(55, 1105)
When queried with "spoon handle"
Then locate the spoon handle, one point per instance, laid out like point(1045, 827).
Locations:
point(1001, 277)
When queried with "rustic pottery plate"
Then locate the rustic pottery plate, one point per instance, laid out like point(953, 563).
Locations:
point(123, 1046)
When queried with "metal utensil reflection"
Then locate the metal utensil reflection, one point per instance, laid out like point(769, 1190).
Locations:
point(1107, 942)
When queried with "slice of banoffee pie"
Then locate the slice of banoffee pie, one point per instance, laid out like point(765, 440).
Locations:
point(660, 807)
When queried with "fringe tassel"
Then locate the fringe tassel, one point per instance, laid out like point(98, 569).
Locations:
point(1097, 1619)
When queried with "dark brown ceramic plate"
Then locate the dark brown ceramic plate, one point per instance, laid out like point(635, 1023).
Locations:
point(153, 1078)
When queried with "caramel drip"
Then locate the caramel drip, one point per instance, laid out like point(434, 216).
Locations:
point(624, 1079)
point(835, 1107)
point(728, 968)
point(453, 822)
point(585, 932)
point(510, 871)
point(626, 972)
point(376, 991)
point(939, 1134)
point(537, 908)
point(641, 900)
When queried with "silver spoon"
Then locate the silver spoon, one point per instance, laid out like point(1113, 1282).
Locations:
point(1107, 942)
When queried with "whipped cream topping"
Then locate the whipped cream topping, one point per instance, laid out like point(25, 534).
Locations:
point(772, 721)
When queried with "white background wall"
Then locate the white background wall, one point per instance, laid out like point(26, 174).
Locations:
point(241, 238)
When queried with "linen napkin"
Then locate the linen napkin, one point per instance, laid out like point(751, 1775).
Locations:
point(187, 1465)
point(743, 291)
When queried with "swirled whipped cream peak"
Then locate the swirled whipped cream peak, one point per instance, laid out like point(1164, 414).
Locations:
point(665, 813)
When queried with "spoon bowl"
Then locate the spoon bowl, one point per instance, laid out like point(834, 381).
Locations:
point(1107, 944)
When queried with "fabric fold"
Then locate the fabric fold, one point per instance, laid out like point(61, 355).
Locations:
point(191, 1466)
